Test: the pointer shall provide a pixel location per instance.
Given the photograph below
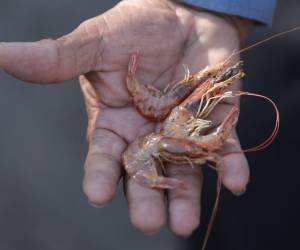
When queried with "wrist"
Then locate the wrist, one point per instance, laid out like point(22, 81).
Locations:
point(242, 25)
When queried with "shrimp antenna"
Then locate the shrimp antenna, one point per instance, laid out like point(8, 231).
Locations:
point(272, 136)
point(267, 39)
point(214, 212)
point(267, 142)
point(260, 146)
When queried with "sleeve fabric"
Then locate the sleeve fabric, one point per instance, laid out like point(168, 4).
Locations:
point(258, 10)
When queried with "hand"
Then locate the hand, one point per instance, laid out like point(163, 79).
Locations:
point(167, 35)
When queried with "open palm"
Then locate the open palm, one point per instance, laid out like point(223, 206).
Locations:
point(166, 35)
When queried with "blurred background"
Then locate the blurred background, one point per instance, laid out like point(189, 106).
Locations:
point(43, 147)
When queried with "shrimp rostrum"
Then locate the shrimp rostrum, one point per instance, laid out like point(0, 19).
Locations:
point(187, 135)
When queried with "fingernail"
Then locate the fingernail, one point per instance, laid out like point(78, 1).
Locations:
point(96, 205)
point(239, 193)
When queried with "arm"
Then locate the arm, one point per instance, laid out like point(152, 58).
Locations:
point(167, 35)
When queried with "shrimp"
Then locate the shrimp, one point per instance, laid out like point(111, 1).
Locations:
point(157, 105)
point(184, 110)
point(181, 136)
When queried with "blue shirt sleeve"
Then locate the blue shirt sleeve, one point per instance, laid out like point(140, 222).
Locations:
point(258, 10)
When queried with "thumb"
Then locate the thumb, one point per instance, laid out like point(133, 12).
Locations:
point(50, 60)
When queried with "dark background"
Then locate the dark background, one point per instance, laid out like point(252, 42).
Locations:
point(42, 149)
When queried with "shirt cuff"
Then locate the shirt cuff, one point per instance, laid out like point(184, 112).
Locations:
point(258, 10)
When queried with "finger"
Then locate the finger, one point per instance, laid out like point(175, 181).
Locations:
point(92, 103)
point(184, 204)
point(147, 209)
point(49, 60)
point(234, 167)
point(102, 167)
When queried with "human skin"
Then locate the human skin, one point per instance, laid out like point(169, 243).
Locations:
point(166, 35)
